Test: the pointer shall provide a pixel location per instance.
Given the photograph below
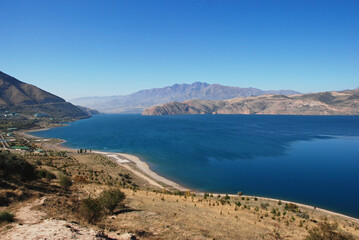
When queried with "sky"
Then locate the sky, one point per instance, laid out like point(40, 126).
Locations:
point(77, 48)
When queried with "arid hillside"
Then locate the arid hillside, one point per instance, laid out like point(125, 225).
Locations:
point(19, 97)
point(324, 103)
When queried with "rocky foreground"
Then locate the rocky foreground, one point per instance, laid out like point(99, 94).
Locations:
point(324, 103)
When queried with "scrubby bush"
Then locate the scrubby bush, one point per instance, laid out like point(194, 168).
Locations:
point(90, 209)
point(111, 199)
point(12, 165)
point(264, 205)
point(304, 215)
point(65, 182)
point(237, 203)
point(6, 217)
point(226, 197)
point(327, 231)
point(42, 173)
point(291, 207)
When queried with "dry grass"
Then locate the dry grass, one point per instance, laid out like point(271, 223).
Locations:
point(160, 215)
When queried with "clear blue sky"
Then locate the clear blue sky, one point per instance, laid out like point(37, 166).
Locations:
point(87, 48)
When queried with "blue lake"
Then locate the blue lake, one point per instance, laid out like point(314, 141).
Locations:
point(308, 159)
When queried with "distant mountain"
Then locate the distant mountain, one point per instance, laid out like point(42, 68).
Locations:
point(25, 98)
point(324, 103)
point(136, 102)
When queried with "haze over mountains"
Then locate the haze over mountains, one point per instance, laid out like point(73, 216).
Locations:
point(138, 101)
point(324, 103)
point(25, 98)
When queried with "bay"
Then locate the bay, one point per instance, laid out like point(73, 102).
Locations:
point(308, 159)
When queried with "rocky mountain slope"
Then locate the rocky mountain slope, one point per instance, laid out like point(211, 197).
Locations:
point(324, 103)
point(136, 102)
point(17, 96)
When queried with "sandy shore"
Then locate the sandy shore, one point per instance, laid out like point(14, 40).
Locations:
point(141, 169)
point(145, 172)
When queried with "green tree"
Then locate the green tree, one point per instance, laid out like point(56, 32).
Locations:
point(90, 209)
point(65, 182)
point(111, 199)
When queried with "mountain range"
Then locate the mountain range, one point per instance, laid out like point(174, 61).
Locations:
point(324, 103)
point(17, 96)
point(138, 101)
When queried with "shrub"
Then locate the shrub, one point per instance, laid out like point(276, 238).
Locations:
point(237, 203)
point(264, 205)
point(6, 217)
point(291, 207)
point(42, 173)
point(327, 231)
point(90, 209)
point(13, 165)
point(110, 199)
point(50, 175)
point(65, 182)
point(276, 235)
point(304, 215)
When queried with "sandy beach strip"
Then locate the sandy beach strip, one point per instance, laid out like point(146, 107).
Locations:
point(145, 172)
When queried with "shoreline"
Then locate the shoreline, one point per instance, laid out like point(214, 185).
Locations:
point(125, 160)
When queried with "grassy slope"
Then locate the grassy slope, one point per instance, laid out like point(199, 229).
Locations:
point(157, 215)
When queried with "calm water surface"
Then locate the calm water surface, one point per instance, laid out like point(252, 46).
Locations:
point(308, 159)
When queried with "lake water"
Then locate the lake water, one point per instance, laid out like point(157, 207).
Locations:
point(307, 159)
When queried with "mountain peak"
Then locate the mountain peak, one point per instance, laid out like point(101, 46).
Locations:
point(15, 92)
point(200, 84)
point(27, 99)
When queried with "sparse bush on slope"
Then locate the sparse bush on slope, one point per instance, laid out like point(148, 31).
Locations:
point(110, 199)
point(327, 231)
point(12, 165)
point(6, 217)
point(90, 210)
point(65, 182)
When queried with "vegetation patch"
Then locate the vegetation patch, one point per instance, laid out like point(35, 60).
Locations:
point(6, 217)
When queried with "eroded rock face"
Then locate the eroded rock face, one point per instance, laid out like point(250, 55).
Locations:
point(325, 103)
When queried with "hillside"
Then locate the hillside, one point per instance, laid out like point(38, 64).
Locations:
point(23, 98)
point(136, 102)
point(325, 103)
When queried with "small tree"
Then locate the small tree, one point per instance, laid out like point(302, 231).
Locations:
point(65, 182)
point(90, 209)
point(110, 199)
